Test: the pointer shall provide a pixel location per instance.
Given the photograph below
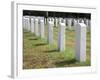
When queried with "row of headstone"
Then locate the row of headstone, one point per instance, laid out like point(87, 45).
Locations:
point(36, 25)
point(71, 22)
point(80, 43)
point(26, 23)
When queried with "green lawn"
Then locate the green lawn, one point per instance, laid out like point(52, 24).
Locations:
point(37, 53)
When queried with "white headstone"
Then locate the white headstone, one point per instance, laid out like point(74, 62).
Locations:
point(52, 19)
point(45, 20)
point(42, 28)
point(56, 22)
point(80, 42)
point(32, 25)
point(78, 20)
point(69, 23)
point(74, 23)
point(59, 20)
point(86, 22)
point(27, 23)
point(64, 20)
point(50, 32)
point(82, 21)
point(23, 21)
point(48, 19)
point(61, 37)
point(36, 27)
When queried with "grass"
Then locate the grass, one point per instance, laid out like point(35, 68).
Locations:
point(37, 53)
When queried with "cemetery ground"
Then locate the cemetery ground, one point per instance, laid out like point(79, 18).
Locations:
point(37, 53)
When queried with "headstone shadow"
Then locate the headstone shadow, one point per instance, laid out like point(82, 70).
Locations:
point(33, 39)
point(50, 51)
point(40, 44)
point(68, 62)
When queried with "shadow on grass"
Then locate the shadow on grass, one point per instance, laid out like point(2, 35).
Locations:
point(33, 39)
point(40, 44)
point(28, 35)
point(68, 62)
point(50, 51)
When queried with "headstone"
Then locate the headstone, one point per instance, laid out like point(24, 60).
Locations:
point(64, 20)
point(69, 23)
point(60, 20)
point(50, 32)
point(45, 20)
point(74, 23)
point(80, 42)
point(66, 23)
point(32, 24)
point(23, 21)
point(82, 21)
point(52, 19)
point(56, 22)
point(61, 37)
point(36, 27)
point(28, 23)
point(48, 19)
point(88, 24)
point(78, 20)
point(42, 28)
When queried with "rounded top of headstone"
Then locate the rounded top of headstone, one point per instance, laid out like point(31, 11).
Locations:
point(50, 22)
point(81, 24)
point(36, 19)
point(32, 18)
point(49, 19)
point(62, 24)
point(41, 20)
point(82, 21)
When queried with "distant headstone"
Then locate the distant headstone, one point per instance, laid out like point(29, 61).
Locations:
point(24, 21)
point(50, 32)
point(78, 20)
point(64, 21)
point(36, 27)
point(52, 19)
point(45, 20)
point(69, 23)
point(82, 21)
point(74, 23)
point(80, 42)
point(56, 22)
point(27, 23)
point(88, 24)
point(42, 28)
point(60, 20)
point(32, 25)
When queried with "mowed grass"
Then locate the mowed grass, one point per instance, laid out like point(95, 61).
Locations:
point(37, 53)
